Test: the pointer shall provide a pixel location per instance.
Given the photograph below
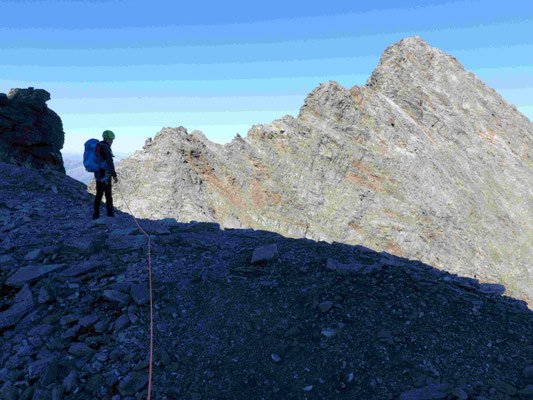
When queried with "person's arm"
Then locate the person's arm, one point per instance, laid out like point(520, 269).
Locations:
point(109, 159)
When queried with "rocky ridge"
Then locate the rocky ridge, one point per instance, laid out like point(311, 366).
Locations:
point(238, 313)
point(31, 134)
point(424, 162)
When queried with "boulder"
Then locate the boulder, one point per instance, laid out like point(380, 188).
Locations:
point(31, 135)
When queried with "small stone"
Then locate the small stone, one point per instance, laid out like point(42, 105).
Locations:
point(23, 305)
point(45, 296)
point(325, 306)
point(6, 260)
point(94, 384)
point(79, 349)
point(460, 394)
point(88, 320)
point(264, 253)
point(122, 322)
point(101, 326)
point(134, 382)
point(34, 255)
point(69, 319)
point(132, 316)
point(435, 391)
point(140, 294)
point(101, 356)
point(328, 332)
point(70, 381)
point(115, 295)
point(308, 388)
point(275, 357)
point(41, 394)
point(9, 392)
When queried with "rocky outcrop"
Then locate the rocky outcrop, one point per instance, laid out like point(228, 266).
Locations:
point(237, 313)
point(31, 135)
point(424, 161)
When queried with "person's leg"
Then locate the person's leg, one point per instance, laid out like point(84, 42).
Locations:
point(109, 199)
point(98, 199)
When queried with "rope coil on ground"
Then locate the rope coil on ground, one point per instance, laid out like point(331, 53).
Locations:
point(151, 307)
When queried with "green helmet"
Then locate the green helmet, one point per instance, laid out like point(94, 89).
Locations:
point(108, 135)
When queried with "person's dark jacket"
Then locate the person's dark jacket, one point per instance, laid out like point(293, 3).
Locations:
point(104, 150)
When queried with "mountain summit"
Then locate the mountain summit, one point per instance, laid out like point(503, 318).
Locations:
point(425, 162)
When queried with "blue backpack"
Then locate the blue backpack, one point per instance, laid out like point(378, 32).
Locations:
point(92, 161)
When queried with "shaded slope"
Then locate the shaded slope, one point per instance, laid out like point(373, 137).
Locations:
point(309, 320)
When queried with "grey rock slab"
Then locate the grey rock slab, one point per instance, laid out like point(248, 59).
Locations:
point(6, 259)
point(84, 268)
point(81, 246)
point(115, 295)
point(37, 368)
point(34, 255)
point(32, 274)
point(88, 320)
point(121, 322)
point(492, 288)
point(325, 306)
point(434, 391)
point(264, 253)
point(41, 394)
point(124, 232)
point(350, 269)
point(79, 349)
point(140, 293)
point(23, 303)
point(133, 383)
point(45, 295)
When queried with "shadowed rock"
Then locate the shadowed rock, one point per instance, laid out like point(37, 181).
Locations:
point(31, 135)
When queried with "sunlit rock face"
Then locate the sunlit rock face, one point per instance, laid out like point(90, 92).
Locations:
point(424, 161)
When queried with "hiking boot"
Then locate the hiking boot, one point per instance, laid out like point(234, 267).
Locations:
point(112, 215)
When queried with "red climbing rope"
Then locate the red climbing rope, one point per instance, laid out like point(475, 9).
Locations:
point(151, 307)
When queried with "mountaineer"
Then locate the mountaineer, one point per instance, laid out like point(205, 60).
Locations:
point(103, 175)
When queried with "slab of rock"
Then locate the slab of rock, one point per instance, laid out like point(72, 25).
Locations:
point(140, 293)
point(435, 391)
point(70, 381)
point(84, 268)
point(264, 253)
point(79, 349)
point(79, 246)
point(115, 295)
point(23, 304)
point(34, 255)
point(133, 383)
point(32, 274)
point(350, 269)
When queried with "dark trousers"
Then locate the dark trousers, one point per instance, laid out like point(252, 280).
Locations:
point(102, 188)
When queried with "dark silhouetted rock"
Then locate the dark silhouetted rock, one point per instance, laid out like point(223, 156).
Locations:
point(31, 135)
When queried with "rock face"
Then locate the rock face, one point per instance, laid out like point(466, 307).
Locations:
point(238, 313)
point(31, 135)
point(424, 161)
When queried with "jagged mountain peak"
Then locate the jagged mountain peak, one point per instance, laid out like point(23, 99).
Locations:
point(424, 161)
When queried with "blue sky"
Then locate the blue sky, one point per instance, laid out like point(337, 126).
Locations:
point(136, 66)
